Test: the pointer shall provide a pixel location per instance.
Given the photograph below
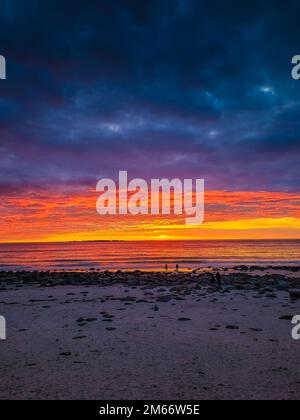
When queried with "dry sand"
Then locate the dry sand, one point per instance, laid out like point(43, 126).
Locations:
point(142, 341)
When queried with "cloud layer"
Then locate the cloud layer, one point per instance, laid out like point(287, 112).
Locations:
point(160, 88)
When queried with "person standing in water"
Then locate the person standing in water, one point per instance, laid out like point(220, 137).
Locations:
point(219, 278)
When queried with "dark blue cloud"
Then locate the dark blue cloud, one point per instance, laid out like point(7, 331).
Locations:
point(158, 87)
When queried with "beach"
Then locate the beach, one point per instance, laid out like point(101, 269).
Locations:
point(150, 335)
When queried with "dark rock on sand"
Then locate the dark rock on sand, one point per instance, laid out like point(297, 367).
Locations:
point(295, 294)
point(271, 295)
point(164, 299)
point(128, 299)
point(286, 317)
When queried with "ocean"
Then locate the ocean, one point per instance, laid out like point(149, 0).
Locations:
point(151, 255)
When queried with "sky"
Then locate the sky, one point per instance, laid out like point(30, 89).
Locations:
point(160, 88)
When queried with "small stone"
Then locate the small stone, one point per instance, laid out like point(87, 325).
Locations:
point(295, 294)
point(164, 299)
point(287, 317)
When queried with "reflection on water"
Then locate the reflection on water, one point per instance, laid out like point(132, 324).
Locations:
point(146, 255)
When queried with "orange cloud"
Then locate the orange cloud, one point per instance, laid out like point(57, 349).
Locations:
point(66, 216)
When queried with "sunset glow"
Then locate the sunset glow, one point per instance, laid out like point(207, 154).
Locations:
point(41, 216)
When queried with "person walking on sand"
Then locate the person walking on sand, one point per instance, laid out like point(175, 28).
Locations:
point(219, 278)
point(212, 279)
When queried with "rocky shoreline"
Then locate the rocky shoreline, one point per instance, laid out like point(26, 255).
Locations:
point(237, 278)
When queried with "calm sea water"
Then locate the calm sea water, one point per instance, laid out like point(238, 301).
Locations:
point(146, 255)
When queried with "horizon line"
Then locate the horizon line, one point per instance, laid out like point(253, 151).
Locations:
point(150, 240)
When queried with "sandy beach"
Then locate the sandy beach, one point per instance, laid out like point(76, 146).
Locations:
point(150, 335)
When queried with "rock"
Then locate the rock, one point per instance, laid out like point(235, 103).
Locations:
point(183, 319)
point(268, 290)
point(287, 317)
point(164, 299)
point(295, 294)
point(128, 299)
point(82, 321)
point(66, 353)
point(232, 327)
point(271, 295)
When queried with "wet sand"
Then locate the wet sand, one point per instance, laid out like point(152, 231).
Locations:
point(149, 335)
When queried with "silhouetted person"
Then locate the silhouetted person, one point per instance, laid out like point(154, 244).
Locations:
point(166, 267)
point(219, 278)
point(177, 267)
point(212, 279)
